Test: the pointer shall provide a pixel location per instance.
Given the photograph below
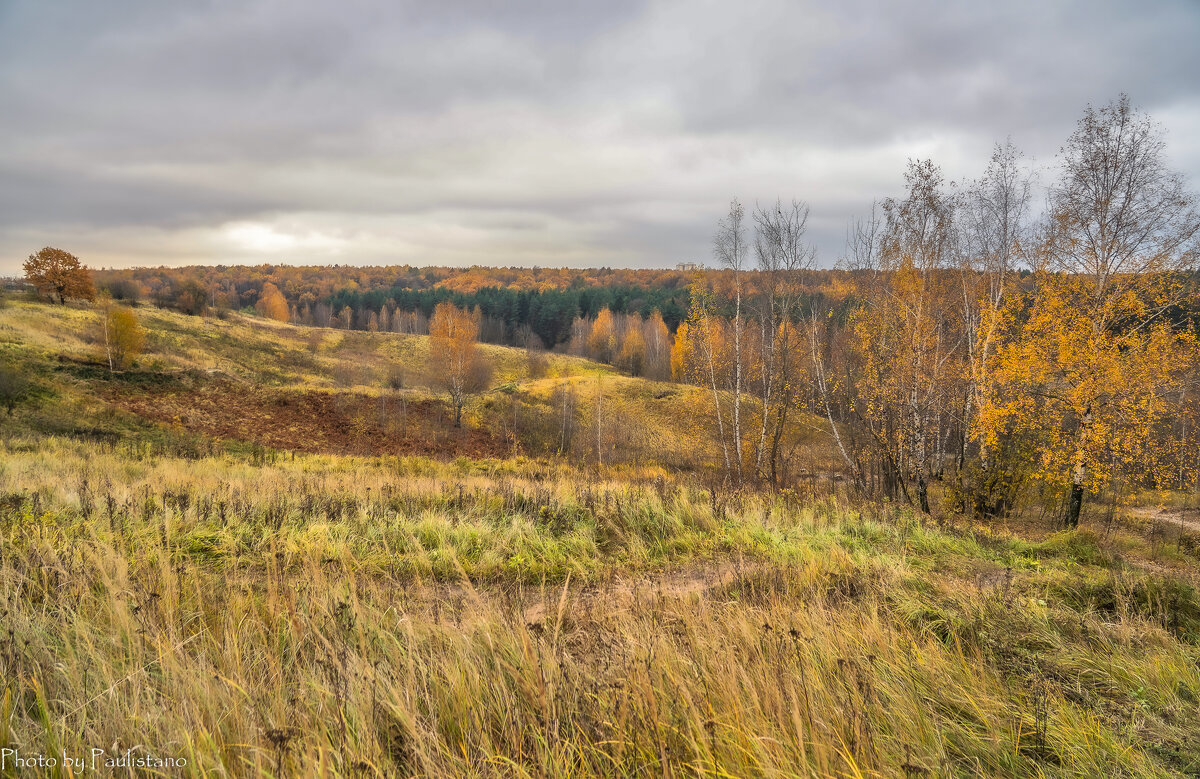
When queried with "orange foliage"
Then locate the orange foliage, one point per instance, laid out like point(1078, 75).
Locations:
point(56, 272)
point(602, 341)
point(272, 304)
point(454, 360)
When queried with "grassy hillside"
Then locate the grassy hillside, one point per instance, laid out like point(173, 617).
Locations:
point(250, 380)
point(282, 601)
point(247, 380)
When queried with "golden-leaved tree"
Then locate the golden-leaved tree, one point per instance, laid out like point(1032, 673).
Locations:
point(602, 340)
point(1084, 400)
point(1088, 374)
point(455, 362)
point(682, 354)
point(632, 355)
point(272, 304)
point(993, 238)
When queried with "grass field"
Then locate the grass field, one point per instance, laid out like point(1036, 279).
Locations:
point(266, 600)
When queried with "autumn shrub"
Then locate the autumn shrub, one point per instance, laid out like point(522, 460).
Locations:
point(125, 290)
point(537, 363)
point(15, 389)
point(123, 337)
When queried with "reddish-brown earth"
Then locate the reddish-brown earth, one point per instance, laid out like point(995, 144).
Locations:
point(307, 420)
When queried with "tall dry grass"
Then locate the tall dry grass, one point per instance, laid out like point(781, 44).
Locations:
point(345, 617)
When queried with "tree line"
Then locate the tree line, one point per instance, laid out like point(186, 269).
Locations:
point(507, 316)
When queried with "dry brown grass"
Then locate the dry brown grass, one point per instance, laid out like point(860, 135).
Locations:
point(348, 617)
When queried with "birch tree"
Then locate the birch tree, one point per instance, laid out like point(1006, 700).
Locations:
point(730, 249)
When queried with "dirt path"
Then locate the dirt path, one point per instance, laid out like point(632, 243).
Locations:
point(1188, 519)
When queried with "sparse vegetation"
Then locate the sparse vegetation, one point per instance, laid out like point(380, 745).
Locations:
point(14, 388)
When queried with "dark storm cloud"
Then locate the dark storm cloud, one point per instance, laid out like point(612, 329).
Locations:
point(531, 133)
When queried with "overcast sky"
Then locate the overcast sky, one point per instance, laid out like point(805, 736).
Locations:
point(507, 133)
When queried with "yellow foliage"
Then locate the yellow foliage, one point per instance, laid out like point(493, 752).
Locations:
point(272, 304)
point(454, 361)
point(1086, 383)
point(632, 356)
point(123, 337)
point(602, 341)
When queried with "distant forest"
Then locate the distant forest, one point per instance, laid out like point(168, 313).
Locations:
point(514, 303)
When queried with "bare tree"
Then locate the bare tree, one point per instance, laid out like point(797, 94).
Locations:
point(730, 248)
point(864, 237)
point(816, 329)
point(1118, 213)
point(783, 253)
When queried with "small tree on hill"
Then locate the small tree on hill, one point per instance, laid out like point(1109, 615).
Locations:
point(272, 304)
point(14, 388)
point(123, 337)
point(59, 273)
point(454, 361)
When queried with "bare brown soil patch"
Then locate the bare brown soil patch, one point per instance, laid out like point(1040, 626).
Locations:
point(306, 421)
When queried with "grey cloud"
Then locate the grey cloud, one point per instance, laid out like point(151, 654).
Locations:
point(598, 133)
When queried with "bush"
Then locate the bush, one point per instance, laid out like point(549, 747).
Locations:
point(14, 388)
point(123, 337)
point(126, 290)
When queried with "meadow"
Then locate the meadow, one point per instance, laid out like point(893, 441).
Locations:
point(265, 600)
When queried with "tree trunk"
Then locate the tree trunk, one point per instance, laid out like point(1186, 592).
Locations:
point(776, 436)
point(599, 402)
point(1075, 505)
point(737, 378)
point(712, 378)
